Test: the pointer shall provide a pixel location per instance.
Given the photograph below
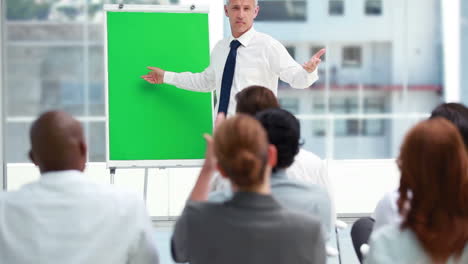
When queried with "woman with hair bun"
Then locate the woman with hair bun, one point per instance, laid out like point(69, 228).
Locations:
point(251, 227)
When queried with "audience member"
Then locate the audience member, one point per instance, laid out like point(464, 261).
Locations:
point(283, 132)
point(433, 195)
point(386, 211)
point(251, 227)
point(65, 218)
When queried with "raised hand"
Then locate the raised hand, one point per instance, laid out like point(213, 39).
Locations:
point(312, 64)
point(155, 76)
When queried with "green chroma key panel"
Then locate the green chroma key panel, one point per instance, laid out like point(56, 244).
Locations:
point(156, 122)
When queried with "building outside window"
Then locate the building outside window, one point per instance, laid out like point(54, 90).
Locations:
point(290, 104)
point(374, 127)
point(318, 126)
point(336, 7)
point(54, 60)
point(282, 10)
point(355, 127)
point(373, 7)
point(345, 105)
point(352, 57)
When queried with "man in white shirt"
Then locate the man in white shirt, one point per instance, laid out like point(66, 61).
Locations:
point(65, 218)
point(245, 58)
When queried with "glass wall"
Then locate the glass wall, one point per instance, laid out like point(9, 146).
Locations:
point(54, 60)
point(381, 73)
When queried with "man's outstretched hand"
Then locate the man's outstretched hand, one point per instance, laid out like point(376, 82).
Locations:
point(155, 76)
point(312, 64)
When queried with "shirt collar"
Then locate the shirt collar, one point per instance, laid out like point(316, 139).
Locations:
point(279, 174)
point(245, 38)
point(52, 176)
point(253, 200)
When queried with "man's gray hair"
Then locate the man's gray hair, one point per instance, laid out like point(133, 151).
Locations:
point(227, 2)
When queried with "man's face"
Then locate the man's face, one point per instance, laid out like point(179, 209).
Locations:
point(241, 14)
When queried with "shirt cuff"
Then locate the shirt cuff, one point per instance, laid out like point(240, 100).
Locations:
point(169, 77)
point(313, 76)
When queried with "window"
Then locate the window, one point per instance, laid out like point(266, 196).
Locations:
point(374, 127)
point(356, 127)
point(352, 57)
point(373, 7)
point(336, 7)
point(282, 10)
point(344, 105)
point(50, 64)
point(318, 126)
point(290, 104)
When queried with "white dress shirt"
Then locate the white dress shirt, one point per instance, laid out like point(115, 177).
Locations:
point(386, 211)
point(390, 245)
point(308, 167)
point(64, 218)
point(261, 60)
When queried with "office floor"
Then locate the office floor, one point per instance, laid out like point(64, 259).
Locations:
point(342, 240)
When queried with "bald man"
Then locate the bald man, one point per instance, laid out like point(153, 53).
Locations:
point(65, 218)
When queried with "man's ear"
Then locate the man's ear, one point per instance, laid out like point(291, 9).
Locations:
point(226, 10)
point(221, 171)
point(272, 156)
point(257, 9)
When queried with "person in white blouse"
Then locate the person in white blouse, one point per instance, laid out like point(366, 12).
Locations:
point(386, 211)
point(261, 60)
point(64, 217)
point(433, 195)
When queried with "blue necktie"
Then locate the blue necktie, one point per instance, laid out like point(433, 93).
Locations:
point(228, 75)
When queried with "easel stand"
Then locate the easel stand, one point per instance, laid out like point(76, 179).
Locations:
point(145, 185)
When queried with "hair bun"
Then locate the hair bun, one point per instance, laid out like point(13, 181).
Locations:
point(247, 167)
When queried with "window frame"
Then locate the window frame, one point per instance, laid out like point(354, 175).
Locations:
point(347, 60)
point(368, 9)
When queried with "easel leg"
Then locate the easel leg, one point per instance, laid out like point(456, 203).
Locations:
point(145, 187)
point(112, 174)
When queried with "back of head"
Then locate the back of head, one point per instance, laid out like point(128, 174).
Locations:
point(254, 99)
point(283, 130)
point(241, 147)
point(57, 142)
point(455, 113)
point(226, 2)
point(434, 187)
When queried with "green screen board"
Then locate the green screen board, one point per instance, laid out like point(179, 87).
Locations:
point(156, 122)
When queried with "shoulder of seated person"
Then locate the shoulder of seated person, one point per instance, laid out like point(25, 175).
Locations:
point(301, 219)
point(200, 206)
point(390, 233)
